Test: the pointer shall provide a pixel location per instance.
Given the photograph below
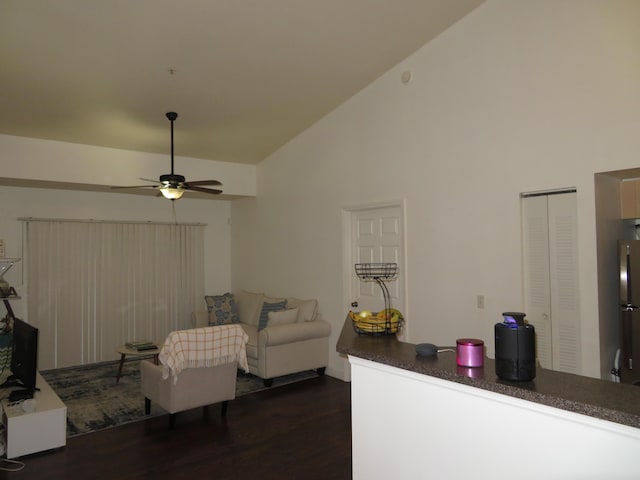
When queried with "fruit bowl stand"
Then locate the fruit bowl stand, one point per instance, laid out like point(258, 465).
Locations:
point(388, 321)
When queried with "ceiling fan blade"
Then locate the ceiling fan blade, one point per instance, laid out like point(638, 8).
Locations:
point(172, 185)
point(136, 186)
point(204, 182)
point(203, 190)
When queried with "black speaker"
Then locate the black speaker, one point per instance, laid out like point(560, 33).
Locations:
point(515, 342)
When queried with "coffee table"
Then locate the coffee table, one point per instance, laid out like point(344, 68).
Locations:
point(123, 350)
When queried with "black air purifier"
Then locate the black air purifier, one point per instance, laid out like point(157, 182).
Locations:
point(515, 348)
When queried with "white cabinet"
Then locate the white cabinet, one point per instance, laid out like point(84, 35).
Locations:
point(44, 428)
point(408, 425)
point(630, 199)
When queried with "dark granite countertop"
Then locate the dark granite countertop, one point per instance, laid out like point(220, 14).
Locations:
point(615, 402)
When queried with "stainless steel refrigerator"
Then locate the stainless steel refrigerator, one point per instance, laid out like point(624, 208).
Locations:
point(629, 256)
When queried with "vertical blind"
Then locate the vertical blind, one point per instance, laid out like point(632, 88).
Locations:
point(93, 286)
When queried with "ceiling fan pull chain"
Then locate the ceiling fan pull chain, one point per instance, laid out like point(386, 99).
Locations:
point(173, 211)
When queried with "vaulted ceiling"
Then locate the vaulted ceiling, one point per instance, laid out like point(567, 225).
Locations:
point(245, 76)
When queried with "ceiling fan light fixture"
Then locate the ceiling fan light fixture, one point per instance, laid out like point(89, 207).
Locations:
point(172, 193)
point(172, 185)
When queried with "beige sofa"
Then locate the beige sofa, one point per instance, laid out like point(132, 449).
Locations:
point(288, 339)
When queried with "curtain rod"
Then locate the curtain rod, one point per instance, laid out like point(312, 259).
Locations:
point(91, 220)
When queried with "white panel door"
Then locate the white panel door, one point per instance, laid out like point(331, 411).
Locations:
point(551, 278)
point(377, 237)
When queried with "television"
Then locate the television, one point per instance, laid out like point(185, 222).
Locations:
point(24, 360)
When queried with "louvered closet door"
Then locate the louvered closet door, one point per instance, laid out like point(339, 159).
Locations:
point(563, 257)
point(551, 278)
point(537, 286)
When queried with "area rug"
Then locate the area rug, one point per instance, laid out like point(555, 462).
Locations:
point(95, 402)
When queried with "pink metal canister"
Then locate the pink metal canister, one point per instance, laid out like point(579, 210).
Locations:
point(469, 352)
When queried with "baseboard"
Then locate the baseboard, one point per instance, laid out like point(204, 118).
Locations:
point(339, 374)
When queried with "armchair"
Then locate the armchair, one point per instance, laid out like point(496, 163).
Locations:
point(198, 368)
point(198, 387)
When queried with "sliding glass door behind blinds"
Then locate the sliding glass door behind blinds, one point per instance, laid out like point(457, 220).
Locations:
point(92, 286)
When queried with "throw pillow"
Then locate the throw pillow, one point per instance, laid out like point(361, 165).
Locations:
point(249, 305)
point(283, 317)
point(269, 307)
point(273, 299)
point(222, 309)
point(307, 308)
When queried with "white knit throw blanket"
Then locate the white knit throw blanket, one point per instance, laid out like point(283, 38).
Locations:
point(203, 347)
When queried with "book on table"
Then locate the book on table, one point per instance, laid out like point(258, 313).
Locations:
point(141, 345)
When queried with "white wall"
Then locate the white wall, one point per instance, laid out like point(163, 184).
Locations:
point(517, 97)
point(45, 160)
point(18, 202)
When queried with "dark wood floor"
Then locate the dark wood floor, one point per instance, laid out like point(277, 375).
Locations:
point(297, 431)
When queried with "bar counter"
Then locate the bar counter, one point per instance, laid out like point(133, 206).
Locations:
point(614, 402)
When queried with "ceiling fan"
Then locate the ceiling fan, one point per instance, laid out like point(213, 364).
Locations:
point(172, 185)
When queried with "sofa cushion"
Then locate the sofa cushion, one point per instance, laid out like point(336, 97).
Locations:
point(222, 309)
point(269, 307)
point(307, 309)
point(249, 305)
point(283, 317)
